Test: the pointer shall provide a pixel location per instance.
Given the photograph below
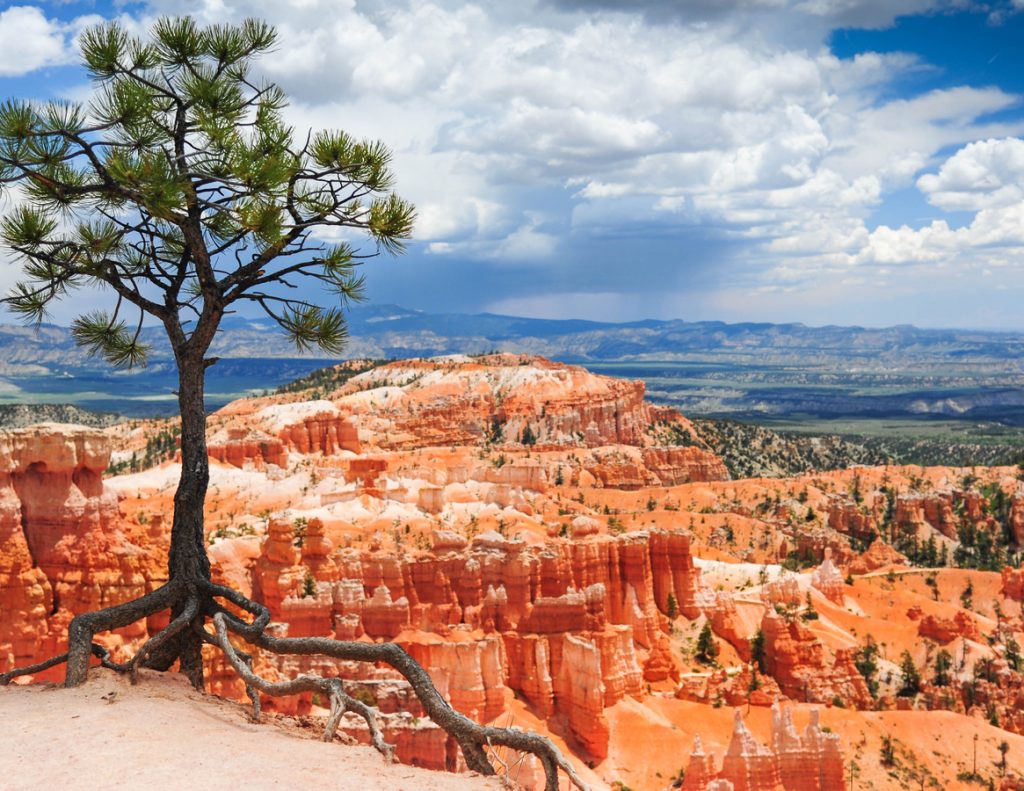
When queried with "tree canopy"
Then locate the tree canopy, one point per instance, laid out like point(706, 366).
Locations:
point(179, 186)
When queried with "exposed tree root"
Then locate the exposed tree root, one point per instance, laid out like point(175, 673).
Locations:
point(83, 627)
point(194, 603)
point(331, 688)
point(95, 650)
point(189, 611)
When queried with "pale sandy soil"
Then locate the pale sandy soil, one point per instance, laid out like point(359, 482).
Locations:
point(161, 734)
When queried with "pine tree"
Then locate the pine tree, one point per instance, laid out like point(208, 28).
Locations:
point(308, 585)
point(1013, 655)
point(757, 650)
point(967, 597)
point(888, 754)
point(707, 647)
point(943, 665)
point(911, 679)
point(672, 607)
point(809, 613)
point(866, 663)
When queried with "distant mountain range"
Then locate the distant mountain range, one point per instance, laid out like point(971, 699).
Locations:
point(385, 331)
point(750, 371)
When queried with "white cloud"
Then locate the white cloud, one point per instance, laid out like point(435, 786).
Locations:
point(527, 244)
point(990, 236)
point(869, 13)
point(982, 175)
point(29, 41)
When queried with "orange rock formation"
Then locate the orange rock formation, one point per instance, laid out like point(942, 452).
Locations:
point(812, 761)
point(62, 547)
point(559, 583)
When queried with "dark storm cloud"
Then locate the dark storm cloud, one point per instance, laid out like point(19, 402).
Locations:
point(834, 13)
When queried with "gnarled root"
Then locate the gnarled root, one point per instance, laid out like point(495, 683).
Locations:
point(188, 613)
point(95, 650)
point(331, 688)
point(83, 627)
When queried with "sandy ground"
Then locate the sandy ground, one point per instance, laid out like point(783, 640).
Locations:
point(161, 734)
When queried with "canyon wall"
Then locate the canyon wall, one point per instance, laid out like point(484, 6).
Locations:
point(63, 546)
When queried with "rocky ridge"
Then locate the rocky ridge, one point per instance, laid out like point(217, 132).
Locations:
point(14, 416)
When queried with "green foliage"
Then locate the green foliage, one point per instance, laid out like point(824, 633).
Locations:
point(757, 650)
point(308, 585)
point(311, 326)
point(497, 430)
point(672, 607)
point(910, 683)
point(178, 186)
point(299, 527)
point(707, 646)
point(1013, 655)
point(809, 613)
point(943, 666)
point(102, 335)
point(888, 752)
point(985, 670)
point(980, 547)
point(967, 596)
point(323, 381)
point(159, 448)
point(866, 662)
point(855, 490)
point(528, 437)
point(797, 560)
point(365, 696)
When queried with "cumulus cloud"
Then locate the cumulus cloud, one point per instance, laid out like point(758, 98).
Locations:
point(982, 175)
point(994, 237)
point(29, 41)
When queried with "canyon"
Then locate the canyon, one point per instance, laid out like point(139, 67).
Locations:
point(555, 551)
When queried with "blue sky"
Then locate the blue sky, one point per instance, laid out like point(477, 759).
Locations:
point(824, 161)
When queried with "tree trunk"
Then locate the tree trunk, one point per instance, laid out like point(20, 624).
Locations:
point(188, 560)
point(188, 564)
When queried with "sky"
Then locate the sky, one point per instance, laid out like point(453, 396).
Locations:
point(822, 161)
